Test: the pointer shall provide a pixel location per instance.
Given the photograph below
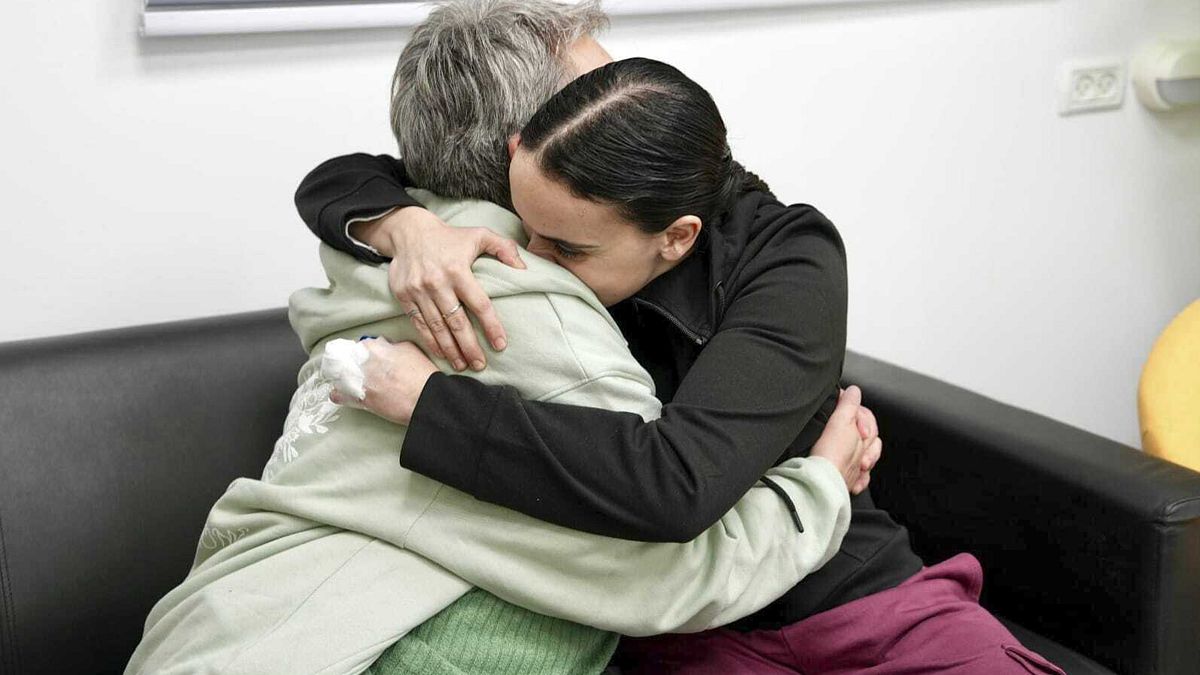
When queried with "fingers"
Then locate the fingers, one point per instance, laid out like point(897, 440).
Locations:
point(406, 295)
point(871, 455)
point(444, 326)
point(867, 426)
point(477, 301)
point(872, 424)
point(861, 484)
point(431, 317)
point(505, 250)
point(427, 339)
point(847, 405)
point(458, 324)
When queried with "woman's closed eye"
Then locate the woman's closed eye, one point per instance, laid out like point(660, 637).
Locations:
point(568, 253)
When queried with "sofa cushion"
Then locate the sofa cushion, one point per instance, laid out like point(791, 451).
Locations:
point(115, 446)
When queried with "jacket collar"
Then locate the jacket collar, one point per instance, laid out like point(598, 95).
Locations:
point(688, 295)
point(691, 296)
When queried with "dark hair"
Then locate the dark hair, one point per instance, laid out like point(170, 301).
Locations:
point(641, 136)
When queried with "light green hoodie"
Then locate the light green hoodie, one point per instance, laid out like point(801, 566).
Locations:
point(338, 551)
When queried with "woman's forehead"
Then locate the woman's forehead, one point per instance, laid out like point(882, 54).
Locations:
point(573, 229)
point(551, 210)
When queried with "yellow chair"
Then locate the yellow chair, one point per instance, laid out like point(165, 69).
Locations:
point(1169, 392)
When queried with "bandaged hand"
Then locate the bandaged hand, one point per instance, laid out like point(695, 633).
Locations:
point(393, 376)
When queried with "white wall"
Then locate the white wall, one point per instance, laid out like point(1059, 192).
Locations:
point(993, 244)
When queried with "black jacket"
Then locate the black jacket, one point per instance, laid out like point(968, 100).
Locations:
point(745, 341)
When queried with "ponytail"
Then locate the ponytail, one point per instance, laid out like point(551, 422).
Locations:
point(739, 181)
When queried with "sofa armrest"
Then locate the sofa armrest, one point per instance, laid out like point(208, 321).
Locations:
point(1083, 539)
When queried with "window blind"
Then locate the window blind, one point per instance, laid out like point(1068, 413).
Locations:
point(243, 4)
point(209, 17)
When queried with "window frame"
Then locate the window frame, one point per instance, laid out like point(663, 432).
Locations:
point(164, 18)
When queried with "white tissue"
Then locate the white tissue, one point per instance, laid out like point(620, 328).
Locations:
point(342, 365)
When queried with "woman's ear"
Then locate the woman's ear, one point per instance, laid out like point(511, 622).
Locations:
point(680, 237)
point(513, 142)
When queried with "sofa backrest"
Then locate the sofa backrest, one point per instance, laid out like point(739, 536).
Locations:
point(114, 446)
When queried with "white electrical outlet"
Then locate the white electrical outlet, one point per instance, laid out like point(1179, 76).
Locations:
point(1084, 87)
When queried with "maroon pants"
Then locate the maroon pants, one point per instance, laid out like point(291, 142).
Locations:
point(931, 623)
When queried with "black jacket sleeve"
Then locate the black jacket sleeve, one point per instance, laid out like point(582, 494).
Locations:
point(775, 358)
point(348, 187)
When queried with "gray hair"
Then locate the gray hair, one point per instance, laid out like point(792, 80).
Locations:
point(471, 76)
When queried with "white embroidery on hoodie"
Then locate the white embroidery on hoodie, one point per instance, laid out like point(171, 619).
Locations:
point(311, 412)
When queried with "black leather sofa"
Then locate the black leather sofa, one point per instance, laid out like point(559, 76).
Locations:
point(115, 444)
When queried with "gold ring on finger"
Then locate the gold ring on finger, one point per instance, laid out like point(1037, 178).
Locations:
point(456, 308)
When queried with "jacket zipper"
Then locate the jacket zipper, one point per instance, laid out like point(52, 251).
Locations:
point(720, 293)
point(693, 335)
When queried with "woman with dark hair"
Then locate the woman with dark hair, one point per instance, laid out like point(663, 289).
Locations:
point(632, 143)
point(736, 305)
